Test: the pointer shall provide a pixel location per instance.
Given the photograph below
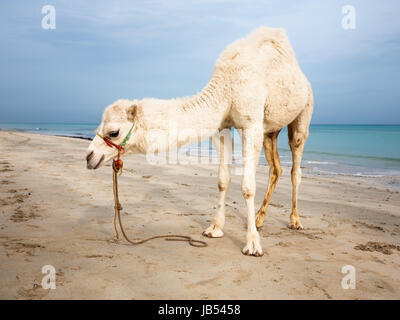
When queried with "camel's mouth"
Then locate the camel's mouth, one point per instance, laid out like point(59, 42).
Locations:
point(90, 166)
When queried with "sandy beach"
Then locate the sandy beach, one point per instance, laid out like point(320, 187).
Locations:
point(56, 212)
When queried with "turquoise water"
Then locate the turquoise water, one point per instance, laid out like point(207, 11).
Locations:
point(353, 149)
point(371, 150)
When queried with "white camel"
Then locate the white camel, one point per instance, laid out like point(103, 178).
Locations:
point(256, 86)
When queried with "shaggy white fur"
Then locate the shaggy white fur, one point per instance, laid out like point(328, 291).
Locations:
point(256, 86)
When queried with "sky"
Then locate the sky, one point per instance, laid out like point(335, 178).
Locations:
point(101, 51)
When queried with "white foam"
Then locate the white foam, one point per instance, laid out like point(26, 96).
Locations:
point(320, 162)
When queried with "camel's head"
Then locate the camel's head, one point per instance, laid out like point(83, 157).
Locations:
point(117, 120)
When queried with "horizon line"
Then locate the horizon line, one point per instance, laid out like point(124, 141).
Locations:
point(86, 122)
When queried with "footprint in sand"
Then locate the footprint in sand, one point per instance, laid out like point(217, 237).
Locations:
point(20, 215)
point(5, 182)
point(35, 292)
point(369, 226)
point(381, 247)
point(18, 246)
point(6, 167)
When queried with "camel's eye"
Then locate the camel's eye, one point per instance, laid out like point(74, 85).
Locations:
point(113, 134)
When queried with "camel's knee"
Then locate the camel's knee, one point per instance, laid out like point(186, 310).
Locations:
point(223, 185)
point(297, 138)
point(224, 178)
point(278, 172)
point(297, 142)
point(248, 190)
point(296, 175)
point(275, 173)
point(247, 193)
point(248, 186)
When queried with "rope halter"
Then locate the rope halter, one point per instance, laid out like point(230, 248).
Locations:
point(117, 168)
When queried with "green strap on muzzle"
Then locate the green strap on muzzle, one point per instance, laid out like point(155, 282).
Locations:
point(128, 136)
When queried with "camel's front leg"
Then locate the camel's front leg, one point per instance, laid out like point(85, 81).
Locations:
point(223, 144)
point(252, 142)
point(217, 224)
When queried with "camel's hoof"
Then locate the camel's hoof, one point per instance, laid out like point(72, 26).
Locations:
point(213, 231)
point(296, 226)
point(253, 248)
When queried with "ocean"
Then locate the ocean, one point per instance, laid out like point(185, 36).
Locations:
point(358, 150)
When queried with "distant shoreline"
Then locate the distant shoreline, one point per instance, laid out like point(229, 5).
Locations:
point(47, 134)
point(74, 137)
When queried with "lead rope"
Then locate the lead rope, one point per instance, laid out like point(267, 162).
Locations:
point(117, 168)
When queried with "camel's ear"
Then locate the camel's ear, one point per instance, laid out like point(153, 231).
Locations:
point(132, 112)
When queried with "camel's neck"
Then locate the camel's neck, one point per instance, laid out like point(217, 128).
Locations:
point(186, 120)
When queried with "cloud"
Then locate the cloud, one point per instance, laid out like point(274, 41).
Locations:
point(102, 50)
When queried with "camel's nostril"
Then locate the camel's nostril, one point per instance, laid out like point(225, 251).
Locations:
point(89, 156)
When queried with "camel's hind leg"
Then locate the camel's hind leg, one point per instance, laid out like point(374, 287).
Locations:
point(298, 134)
point(275, 171)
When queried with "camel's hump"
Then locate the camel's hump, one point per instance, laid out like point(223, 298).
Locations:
point(253, 42)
